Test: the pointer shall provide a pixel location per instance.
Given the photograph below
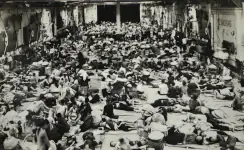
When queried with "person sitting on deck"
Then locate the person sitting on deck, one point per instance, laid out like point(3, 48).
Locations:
point(109, 110)
point(194, 103)
point(163, 88)
point(85, 109)
point(61, 124)
point(73, 113)
point(174, 91)
point(238, 102)
point(62, 108)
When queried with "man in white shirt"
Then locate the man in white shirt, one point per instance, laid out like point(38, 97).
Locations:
point(163, 88)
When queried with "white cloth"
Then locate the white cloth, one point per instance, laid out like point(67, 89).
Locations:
point(225, 92)
point(10, 143)
point(64, 92)
point(10, 59)
point(122, 69)
point(56, 72)
point(61, 109)
point(52, 145)
point(104, 85)
point(139, 87)
point(148, 110)
point(163, 89)
point(178, 83)
point(83, 73)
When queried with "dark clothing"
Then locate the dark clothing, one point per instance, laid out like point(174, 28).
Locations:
point(104, 92)
point(3, 136)
point(174, 137)
point(54, 134)
point(83, 82)
point(216, 123)
point(193, 104)
point(163, 102)
point(81, 59)
point(85, 110)
point(108, 110)
point(124, 127)
point(92, 144)
point(95, 99)
point(124, 107)
point(170, 79)
point(50, 102)
point(88, 122)
point(88, 135)
point(20, 130)
point(238, 103)
point(174, 92)
point(62, 125)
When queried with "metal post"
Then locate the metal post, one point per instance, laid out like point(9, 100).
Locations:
point(118, 19)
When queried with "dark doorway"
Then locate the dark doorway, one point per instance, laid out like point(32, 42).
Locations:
point(60, 23)
point(106, 13)
point(130, 13)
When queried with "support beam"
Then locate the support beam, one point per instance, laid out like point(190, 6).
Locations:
point(118, 18)
point(55, 22)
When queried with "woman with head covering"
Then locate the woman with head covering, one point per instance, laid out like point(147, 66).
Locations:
point(238, 102)
point(11, 142)
point(41, 137)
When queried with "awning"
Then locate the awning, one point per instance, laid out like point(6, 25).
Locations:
point(238, 2)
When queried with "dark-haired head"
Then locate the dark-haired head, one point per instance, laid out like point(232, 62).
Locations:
point(59, 115)
point(121, 140)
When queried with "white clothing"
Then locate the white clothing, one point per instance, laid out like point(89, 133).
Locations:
point(83, 73)
point(139, 87)
point(225, 92)
point(61, 109)
point(104, 85)
point(122, 69)
point(56, 72)
point(163, 89)
point(52, 145)
point(177, 83)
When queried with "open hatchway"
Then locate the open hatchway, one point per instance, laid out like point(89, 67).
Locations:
point(106, 13)
point(128, 12)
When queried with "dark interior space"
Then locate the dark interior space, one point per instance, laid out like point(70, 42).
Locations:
point(59, 19)
point(130, 13)
point(106, 13)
